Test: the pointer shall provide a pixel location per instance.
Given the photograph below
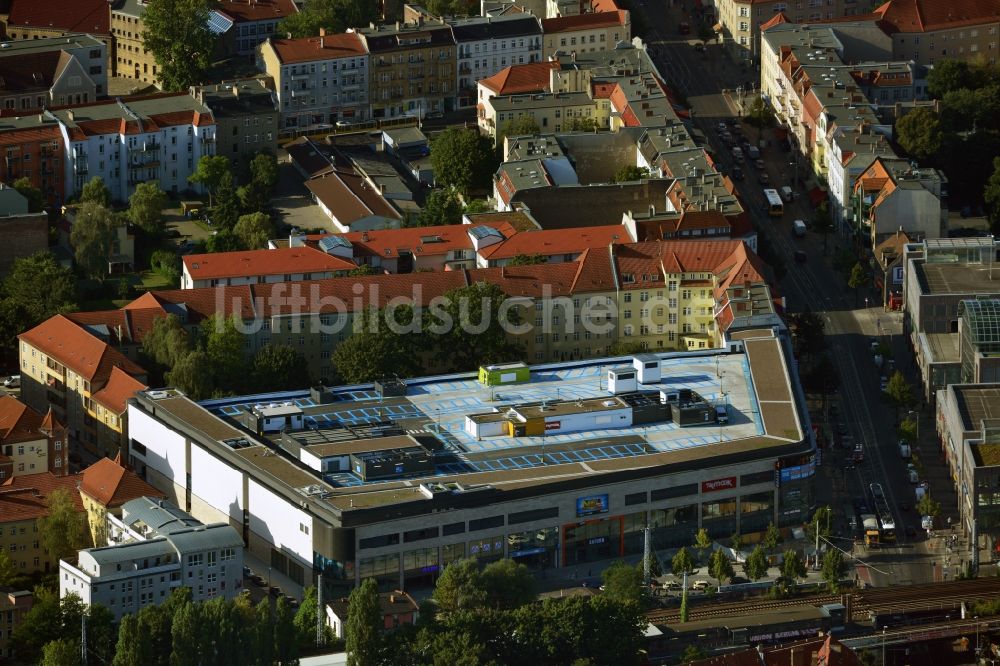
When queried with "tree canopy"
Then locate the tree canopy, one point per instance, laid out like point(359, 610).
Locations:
point(629, 173)
point(623, 582)
point(441, 207)
point(463, 159)
point(176, 32)
point(834, 569)
point(682, 563)
point(919, 132)
point(333, 15)
point(36, 200)
point(62, 530)
point(254, 230)
point(93, 237)
point(96, 192)
point(527, 260)
point(35, 289)
point(145, 207)
point(720, 566)
point(991, 195)
point(363, 630)
point(210, 172)
point(279, 368)
point(755, 566)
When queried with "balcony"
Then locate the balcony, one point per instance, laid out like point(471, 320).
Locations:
point(208, 139)
point(81, 167)
point(55, 369)
point(465, 69)
point(300, 77)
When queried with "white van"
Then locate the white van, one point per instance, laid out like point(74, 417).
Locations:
point(721, 414)
point(800, 228)
point(786, 193)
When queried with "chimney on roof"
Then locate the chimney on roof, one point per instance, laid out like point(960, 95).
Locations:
point(71, 115)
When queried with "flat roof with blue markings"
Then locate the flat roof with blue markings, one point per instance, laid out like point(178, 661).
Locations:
point(436, 407)
point(544, 436)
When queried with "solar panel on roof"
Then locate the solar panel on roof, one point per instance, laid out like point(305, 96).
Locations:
point(484, 231)
point(219, 23)
point(330, 242)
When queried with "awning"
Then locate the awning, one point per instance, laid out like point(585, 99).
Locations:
point(817, 195)
point(717, 27)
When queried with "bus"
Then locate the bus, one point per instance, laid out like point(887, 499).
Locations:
point(887, 523)
point(775, 206)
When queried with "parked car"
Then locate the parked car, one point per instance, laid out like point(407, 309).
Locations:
point(763, 178)
point(12, 382)
point(699, 585)
point(699, 46)
point(737, 173)
point(883, 383)
point(759, 164)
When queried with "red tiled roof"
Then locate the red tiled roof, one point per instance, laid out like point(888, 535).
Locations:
point(424, 241)
point(89, 16)
point(25, 135)
point(777, 19)
point(557, 241)
point(85, 354)
point(242, 11)
point(584, 21)
point(120, 387)
point(728, 260)
point(18, 422)
point(111, 485)
point(306, 49)
point(248, 263)
point(927, 15)
point(603, 89)
point(25, 496)
point(517, 79)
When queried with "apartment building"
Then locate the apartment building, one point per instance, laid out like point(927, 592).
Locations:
point(131, 140)
point(31, 20)
point(23, 501)
point(65, 366)
point(105, 487)
point(318, 81)
point(30, 442)
point(968, 426)
point(33, 147)
point(413, 68)
point(927, 31)
point(246, 116)
point(131, 58)
point(254, 21)
point(486, 45)
point(14, 605)
point(586, 33)
point(261, 266)
point(892, 196)
point(938, 275)
point(164, 548)
point(52, 72)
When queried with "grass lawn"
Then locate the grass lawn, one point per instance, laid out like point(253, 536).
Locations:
point(153, 280)
point(103, 304)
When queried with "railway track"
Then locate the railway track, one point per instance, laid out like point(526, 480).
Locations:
point(900, 599)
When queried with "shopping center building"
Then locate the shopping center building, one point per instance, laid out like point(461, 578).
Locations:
point(555, 466)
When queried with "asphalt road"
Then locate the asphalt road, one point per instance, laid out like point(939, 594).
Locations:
point(701, 77)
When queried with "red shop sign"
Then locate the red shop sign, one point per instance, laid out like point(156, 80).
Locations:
point(718, 484)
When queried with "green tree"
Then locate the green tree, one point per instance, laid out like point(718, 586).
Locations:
point(991, 195)
point(834, 569)
point(508, 584)
point(462, 159)
point(693, 653)
point(167, 264)
point(823, 222)
point(36, 200)
point(40, 625)
point(305, 621)
point(224, 240)
point(286, 646)
point(478, 206)
point(333, 15)
point(279, 368)
point(224, 344)
point(655, 570)
point(736, 541)
point(948, 75)
point(363, 270)
point(792, 568)
point(93, 237)
point(460, 587)
point(702, 542)
point(226, 211)
point(263, 639)
point(363, 629)
point(928, 506)
point(823, 517)
point(96, 192)
point(154, 630)
point(189, 375)
point(720, 567)
point(62, 530)
point(186, 635)
point(755, 566)
point(772, 537)
point(469, 327)
point(8, 570)
point(899, 392)
point(264, 171)
point(211, 169)
point(629, 173)
point(919, 133)
point(366, 356)
point(128, 652)
point(907, 430)
point(527, 260)
point(176, 32)
point(61, 652)
point(858, 279)
point(580, 125)
point(760, 114)
point(682, 562)
point(684, 606)
point(623, 582)
point(145, 207)
point(166, 341)
point(441, 207)
point(809, 332)
point(254, 230)
point(522, 126)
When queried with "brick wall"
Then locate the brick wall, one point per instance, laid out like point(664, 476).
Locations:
point(22, 235)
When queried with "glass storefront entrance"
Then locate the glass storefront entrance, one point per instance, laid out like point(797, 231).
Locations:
point(592, 540)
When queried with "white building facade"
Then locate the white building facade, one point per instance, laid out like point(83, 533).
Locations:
point(487, 45)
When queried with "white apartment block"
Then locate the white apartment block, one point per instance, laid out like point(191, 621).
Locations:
point(130, 141)
point(487, 45)
point(145, 564)
point(319, 81)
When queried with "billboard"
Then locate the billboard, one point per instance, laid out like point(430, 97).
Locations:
point(589, 506)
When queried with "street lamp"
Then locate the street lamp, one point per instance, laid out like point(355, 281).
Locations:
point(976, 618)
point(883, 645)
